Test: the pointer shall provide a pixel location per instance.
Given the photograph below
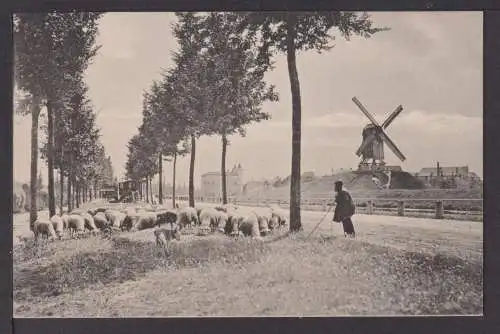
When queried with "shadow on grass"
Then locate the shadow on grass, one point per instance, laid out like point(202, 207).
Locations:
point(127, 260)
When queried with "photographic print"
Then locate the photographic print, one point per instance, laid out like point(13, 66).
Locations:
point(247, 164)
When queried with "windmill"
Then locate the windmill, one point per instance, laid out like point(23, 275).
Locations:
point(374, 138)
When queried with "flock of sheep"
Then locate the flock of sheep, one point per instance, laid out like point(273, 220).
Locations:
point(168, 224)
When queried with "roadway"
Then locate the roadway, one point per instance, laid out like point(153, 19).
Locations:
point(432, 236)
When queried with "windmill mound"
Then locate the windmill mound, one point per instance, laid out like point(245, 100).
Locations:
point(404, 180)
point(357, 182)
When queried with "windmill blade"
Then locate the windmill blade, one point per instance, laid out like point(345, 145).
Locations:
point(365, 111)
point(392, 146)
point(391, 118)
point(368, 140)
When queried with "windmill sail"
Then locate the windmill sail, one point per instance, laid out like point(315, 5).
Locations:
point(392, 146)
point(365, 111)
point(391, 118)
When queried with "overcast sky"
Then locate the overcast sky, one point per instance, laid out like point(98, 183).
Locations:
point(431, 63)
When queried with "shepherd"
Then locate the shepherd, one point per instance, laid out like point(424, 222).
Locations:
point(344, 210)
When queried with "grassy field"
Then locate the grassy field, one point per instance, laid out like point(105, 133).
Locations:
point(397, 266)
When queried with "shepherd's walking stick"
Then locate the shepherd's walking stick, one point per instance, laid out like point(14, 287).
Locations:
point(317, 225)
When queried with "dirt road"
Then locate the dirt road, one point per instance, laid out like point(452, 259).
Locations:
point(460, 238)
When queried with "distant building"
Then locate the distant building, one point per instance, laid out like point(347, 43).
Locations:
point(253, 187)
point(450, 177)
point(211, 182)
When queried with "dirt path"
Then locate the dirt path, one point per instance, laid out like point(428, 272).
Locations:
point(453, 237)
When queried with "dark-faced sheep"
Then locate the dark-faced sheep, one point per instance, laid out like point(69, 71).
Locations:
point(44, 228)
point(166, 217)
point(58, 225)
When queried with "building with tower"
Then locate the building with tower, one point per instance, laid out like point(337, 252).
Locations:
point(211, 182)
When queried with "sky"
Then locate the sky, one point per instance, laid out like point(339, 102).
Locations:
point(430, 63)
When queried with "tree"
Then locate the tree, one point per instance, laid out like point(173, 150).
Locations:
point(49, 49)
point(237, 83)
point(165, 126)
point(141, 160)
point(192, 80)
point(288, 32)
point(29, 51)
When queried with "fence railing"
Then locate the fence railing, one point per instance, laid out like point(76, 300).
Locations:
point(450, 208)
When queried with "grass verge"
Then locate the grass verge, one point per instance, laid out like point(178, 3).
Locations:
point(216, 276)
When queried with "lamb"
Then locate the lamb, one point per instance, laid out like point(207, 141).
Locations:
point(164, 235)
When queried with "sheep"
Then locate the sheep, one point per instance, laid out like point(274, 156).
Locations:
point(263, 217)
point(76, 224)
point(166, 217)
point(64, 218)
point(208, 219)
point(164, 235)
point(115, 218)
point(144, 221)
point(129, 221)
point(89, 222)
point(249, 226)
point(44, 228)
point(213, 219)
point(100, 220)
point(120, 217)
point(234, 219)
point(58, 225)
point(187, 216)
point(278, 218)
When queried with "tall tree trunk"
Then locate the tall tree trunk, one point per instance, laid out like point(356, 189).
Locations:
point(50, 158)
point(141, 185)
point(90, 191)
point(151, 189)
point(191, 171)
point(35, 113)
point(223, 169)
point(77, 189)
point(173, 181)
point(160, 177)
point(96, 194)
point(295, 223)
point(61, 200)
point(69, 191)
point(147, 189)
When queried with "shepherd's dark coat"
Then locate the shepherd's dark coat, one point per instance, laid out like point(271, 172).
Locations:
point(345, 206)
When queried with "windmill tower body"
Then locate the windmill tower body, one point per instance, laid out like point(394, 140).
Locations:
point(374, 151)
point(374, 138)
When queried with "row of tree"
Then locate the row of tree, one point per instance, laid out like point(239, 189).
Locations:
point(52, 51)
point(215, 88)
point(217, 85)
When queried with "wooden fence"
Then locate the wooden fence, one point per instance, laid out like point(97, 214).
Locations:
point(412, 207)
